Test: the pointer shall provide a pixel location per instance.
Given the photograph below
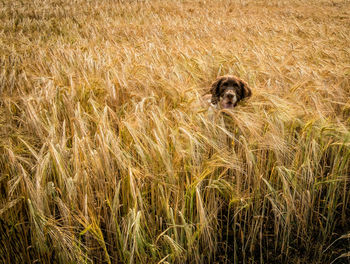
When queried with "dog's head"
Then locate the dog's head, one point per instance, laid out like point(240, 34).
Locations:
point(228, 90)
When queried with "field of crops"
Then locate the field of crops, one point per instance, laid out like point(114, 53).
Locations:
point(107, 154)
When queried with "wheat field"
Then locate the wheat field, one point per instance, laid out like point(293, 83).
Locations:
point(108, 155)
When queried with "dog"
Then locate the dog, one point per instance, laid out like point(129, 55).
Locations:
point(226, 91)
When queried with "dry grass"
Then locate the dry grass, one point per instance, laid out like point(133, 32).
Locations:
point(107, 157)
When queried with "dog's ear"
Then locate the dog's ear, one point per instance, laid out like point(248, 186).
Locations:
point(215, 90)
point(245, 90)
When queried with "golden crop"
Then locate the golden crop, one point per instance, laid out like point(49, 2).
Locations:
point(108, 156)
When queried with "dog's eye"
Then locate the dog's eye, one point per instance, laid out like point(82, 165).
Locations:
point(224, 84)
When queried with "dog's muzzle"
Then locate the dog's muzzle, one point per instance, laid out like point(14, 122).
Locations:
point(229, 100)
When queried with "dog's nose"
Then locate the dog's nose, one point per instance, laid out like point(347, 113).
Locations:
point(230, 96)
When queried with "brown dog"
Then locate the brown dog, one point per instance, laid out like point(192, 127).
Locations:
point(228, 90)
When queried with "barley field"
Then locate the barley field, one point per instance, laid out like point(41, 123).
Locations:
point(109, 156)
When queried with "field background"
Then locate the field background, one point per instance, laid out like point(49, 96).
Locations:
point(108, 156)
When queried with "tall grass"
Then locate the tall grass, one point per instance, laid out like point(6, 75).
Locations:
point(108, 156)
